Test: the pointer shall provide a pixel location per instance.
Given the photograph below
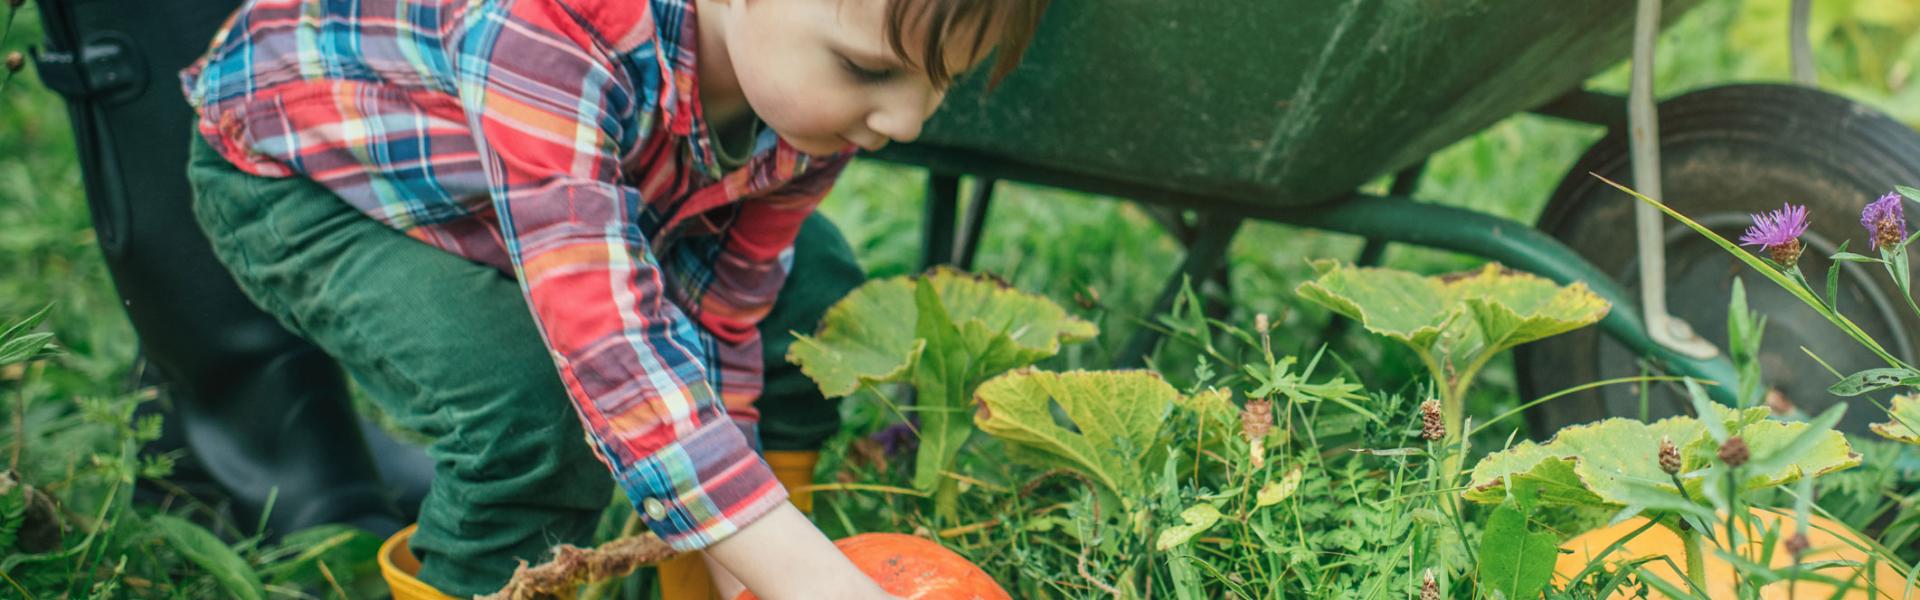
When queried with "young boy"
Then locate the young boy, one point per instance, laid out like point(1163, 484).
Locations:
point(583, 213)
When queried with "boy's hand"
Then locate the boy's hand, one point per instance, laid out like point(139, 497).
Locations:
point(784, 556)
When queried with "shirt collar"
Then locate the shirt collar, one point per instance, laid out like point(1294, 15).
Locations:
point(678, 38)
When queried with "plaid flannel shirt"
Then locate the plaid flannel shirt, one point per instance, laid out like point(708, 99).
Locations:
point(561, 141)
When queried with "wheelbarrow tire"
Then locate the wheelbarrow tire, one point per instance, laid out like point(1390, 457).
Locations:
point(1728, 152)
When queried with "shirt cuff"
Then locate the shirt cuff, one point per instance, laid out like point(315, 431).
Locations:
point(703, 488)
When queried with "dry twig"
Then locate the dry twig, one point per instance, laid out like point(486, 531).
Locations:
point(572, 566)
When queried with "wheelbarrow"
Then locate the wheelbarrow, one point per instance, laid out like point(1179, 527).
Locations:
point(1279, 110)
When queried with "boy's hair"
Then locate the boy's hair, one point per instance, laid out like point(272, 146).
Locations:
point(1014, 21)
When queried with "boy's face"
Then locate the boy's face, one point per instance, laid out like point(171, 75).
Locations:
point(820, 73)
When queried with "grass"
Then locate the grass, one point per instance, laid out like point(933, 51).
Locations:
point(1061, 244)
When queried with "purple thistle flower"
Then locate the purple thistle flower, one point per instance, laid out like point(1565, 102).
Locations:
point(1885, 220)
point(1778, 232)
point(898, 438)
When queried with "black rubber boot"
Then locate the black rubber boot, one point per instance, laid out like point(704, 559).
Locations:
point(255, 407)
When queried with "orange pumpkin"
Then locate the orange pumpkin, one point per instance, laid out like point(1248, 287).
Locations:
point(915, 568)
point(1828, 540)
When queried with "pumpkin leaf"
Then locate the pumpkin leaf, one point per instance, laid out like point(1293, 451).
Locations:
point(1112, 419)
point(861, 339)
point(1461, 319)
point(864, 338)
point(1488, 310)
point(965, 329)
point(1903, 422)
point(1513, 308)
point(202, 548)
point(1197, 519)
point(942, 378)
point(1396, 304)
point(1513, 560)
point(1614, 462)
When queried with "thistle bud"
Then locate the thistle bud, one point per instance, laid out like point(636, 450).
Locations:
point(1797, 545)
point(1256, 420)
point(1262, 324)
point(1734, 452)
point(1669, 456)
point(15, 61)
point(1433, 425)
point(1885, 221)
point(1429, 587)
point(1786, 253)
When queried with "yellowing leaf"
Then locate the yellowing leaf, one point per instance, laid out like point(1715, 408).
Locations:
point(1488, 310)
point(1198, 518)
point(1275, 492)
point(1397, 304)
point(1114, 417)
point(1903, 423)
point(870, 336)
point(1615, 462)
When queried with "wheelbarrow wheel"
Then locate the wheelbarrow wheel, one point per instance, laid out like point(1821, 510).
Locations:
point(1726, 153)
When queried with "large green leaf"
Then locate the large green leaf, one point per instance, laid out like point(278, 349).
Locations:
point(1113, 417)
point(946, 332)
point(871, 335)
point(202, 548)
point(1903, 422)
point(866, 337)
point(1459, 315)
point(1513, 308)
point(1615, 462)
point(1397, 304)
point(1513, 560)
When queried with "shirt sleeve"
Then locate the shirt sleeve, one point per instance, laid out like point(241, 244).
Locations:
point(552, 111)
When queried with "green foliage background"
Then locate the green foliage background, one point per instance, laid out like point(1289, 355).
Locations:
point(1064, 245)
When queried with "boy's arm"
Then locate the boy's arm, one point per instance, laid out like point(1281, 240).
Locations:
point(549, 109)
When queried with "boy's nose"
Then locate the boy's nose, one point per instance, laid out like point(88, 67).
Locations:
point(902, 120)
point(899, 126)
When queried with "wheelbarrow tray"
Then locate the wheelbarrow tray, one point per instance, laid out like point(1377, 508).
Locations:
point(1289, 102)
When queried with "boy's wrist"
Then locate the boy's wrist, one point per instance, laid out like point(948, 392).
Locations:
point(783, 555)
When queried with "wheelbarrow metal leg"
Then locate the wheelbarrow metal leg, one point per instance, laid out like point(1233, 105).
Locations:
point(1800, 44)
point(975, 224)
point(1205, 256)
point(937, 231)
point(1644, 137)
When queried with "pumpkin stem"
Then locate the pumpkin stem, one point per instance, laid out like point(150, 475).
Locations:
point(1696, 548)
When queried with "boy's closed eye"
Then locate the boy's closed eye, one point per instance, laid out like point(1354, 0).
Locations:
point(868, 74)
point(829, 74)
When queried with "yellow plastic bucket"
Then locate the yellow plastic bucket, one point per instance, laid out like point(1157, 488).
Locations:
point(398, 566)
point(1829, 540)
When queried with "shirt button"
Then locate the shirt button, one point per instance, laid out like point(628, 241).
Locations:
point(655, 509)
